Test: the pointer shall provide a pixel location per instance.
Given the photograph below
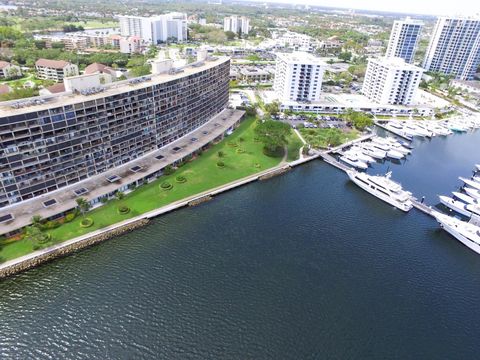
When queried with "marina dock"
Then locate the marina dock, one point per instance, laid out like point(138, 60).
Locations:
point(328, 158)
point(422, 207)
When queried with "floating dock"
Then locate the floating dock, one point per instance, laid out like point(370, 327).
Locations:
point(422, 207)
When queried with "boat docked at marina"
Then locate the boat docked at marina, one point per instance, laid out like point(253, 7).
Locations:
point(358, 152)
point(354, 161)
point(472, 183)
point(372, 151)
point(474, 193)
point(477, 166)
point(384, 188)
point(467, 199)
point(459, 206)
point(468, 233)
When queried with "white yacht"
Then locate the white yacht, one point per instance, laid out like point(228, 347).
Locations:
point(460, 207)
point(383, 188)
point(360, 155)
point(417, 130)
point(457, 126)
point(381, 146)
point(471, 183)
point(467, 233)
point(424, 130)
point(354, 161)
point(441, 130)
point(473, 208)
point(372, 151)
point(398, 129)
point(395, 154)
point(467, 199)
point(386, 146)
point(472, 193)
point(477, 166)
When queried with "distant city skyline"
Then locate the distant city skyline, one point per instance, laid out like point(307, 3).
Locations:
point(428, 7)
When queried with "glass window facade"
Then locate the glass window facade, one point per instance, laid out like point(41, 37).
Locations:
point(42, 151)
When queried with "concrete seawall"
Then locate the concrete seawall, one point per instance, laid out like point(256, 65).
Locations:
point(36, 258)
point(66, 248)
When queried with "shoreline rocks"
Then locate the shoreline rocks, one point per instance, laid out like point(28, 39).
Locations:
point(59, 250)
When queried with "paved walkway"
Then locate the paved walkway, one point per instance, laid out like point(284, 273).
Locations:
point(98, 185)
point(302, 140)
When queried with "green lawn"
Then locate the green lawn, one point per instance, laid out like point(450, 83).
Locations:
point(321, 138)
point(202, 174)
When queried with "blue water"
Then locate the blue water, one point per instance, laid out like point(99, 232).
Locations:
point(301, 266)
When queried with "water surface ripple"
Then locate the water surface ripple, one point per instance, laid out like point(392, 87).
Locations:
point(304, 265)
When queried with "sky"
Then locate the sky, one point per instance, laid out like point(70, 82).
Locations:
point(429, 7)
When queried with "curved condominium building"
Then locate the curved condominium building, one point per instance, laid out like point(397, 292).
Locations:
point(50, 143)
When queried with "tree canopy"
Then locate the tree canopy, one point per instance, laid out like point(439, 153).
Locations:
point(273, 134)
point(358, 119)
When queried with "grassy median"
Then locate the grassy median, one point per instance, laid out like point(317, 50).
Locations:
point(240, 154)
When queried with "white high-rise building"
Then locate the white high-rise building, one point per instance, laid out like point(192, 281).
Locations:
point(404, 39)
point(454, 47)
point(157, 29)
point(298, 76)
point(391, 81)
point(236, 24)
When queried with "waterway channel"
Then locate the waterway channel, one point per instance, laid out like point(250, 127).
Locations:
point(305, 265)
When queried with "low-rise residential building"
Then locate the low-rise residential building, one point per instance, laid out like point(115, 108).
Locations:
point(296, 41)
point(391, 81)
point(54, 69)
point(9, 71)
point(254, 74)
point(130, 45)
point(53, 89)
point(75, 43)
point(469, 86)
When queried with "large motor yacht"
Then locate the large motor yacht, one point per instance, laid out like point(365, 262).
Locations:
point(468, 233)
point(459, 206)
point(383, 188)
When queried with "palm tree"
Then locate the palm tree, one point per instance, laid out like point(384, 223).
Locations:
point(119, 195)
point(37, 221)
point(83, 205)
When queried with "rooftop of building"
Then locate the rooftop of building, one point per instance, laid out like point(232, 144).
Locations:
point(56, 88)
point(300, 57)
point(99, 68)
point(16, 107)
point(395, 62)
point(54, 64)
point(409, 20)
point(4, 64)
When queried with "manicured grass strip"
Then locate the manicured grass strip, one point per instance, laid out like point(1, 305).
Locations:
point(321, 138)
point(202, 174)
